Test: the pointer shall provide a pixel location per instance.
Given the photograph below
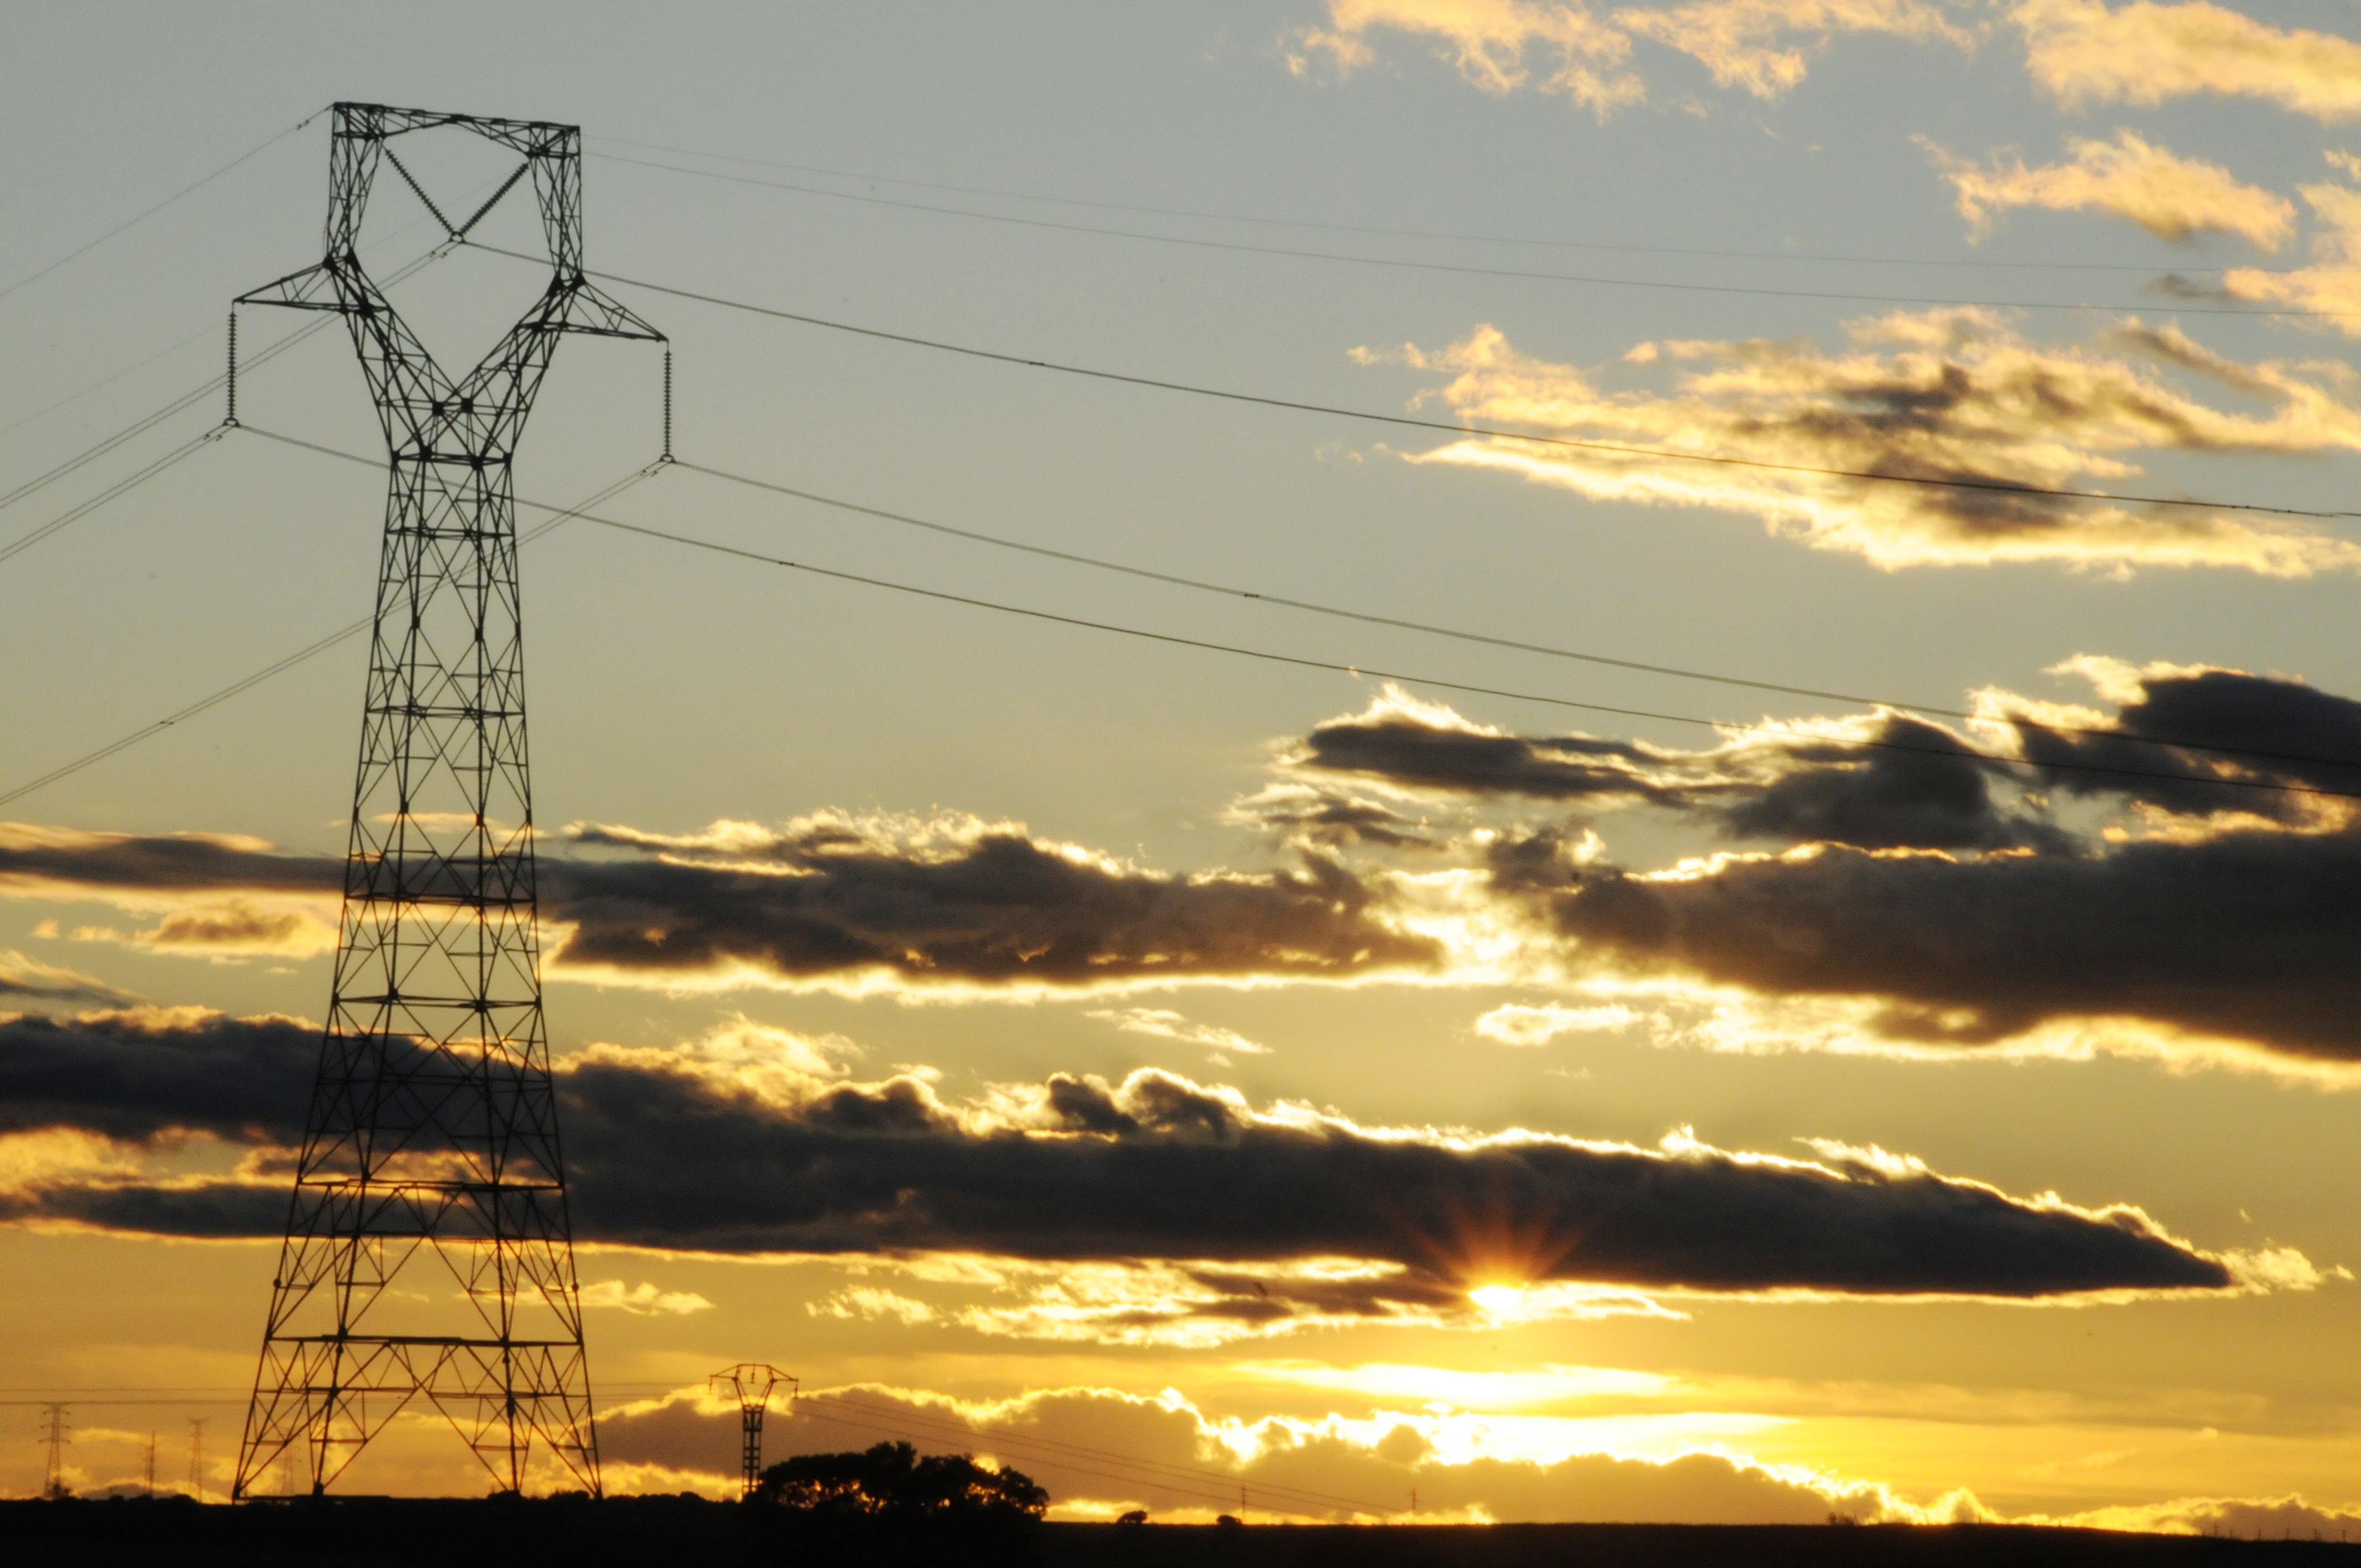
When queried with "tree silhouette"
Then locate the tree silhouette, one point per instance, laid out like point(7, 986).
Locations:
point(892, 1482)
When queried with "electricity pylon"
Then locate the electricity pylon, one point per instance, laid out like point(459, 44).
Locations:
point(751, 1383)
point(432, 1139)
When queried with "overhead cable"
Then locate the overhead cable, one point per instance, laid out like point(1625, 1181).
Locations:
point(75, 514)
point(560, 516)
point(193, 396)
point(1365, 671)
point(1462, 268)
point(1461, 634)
point(1531, 241)
point(1412, 421)
point(143, 215)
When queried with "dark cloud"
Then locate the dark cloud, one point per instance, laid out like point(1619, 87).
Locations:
point(1909, 785)
point(1432, 749)
point(671, 1152)
point(160, 862)
point(2250, 935)
point(135, 1078)
point(1329, 819)
point(2229, 726)
point(1889, 782)
point(955, 904)
point(993, 909)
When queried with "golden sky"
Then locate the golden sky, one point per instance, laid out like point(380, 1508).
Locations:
point(1790, 951)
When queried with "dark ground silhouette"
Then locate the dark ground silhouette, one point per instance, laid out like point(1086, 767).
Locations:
point(661, 1531)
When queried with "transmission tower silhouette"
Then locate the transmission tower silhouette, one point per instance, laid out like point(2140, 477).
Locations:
point(55, 1434)
point(432, 1139)
point(751, 1383)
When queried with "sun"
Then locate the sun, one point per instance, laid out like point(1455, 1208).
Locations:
point(1498, 1301)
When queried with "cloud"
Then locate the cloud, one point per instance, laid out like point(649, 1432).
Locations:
point(953, 903)
point(676, 1151)
point(643, 1299)
point(1501, 45)
point(1581, 57)
point(2332, 286)
point(1518, 1024)
point(1328, 818)
point(858, 905)
point(2171, 197)
point(143, 1074)
point(2084, 51)
point(1166, 1455)
point(2290, 1517)
point(1877, 782)
point(1952, 395)
point(29, 979)
point(1162, 1022)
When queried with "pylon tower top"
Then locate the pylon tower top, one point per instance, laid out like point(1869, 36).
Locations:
point(431, 1150)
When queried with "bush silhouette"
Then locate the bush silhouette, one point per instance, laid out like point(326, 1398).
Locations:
point(892, 1482)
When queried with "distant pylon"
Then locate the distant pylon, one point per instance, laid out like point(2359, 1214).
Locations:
point(197, 1454)
point(151, 1465)
point(53, 1479)
point(751, 1383)
point(433, 1128)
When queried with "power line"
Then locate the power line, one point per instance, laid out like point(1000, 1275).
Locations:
point(342, 634)
point(141, 426)
point(148, 213)
point(1369, 618)
point(193, 396)
point(113, 377)
point(1365, 671)
point(1528, 240)
point(1461, 268)
point(1414, 422)
point(68, 519)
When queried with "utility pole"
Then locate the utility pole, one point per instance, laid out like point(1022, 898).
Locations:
point(433, 1128)
point(197, 1454)
point(750, 1384)
point(53, 1481)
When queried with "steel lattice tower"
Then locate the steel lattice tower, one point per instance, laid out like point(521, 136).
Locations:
point(432, 1141)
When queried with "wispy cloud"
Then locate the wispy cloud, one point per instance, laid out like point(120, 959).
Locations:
point(1163, 1023)
point(1760, 47)
point(2085, 51)
point(2332, 285)
point(1953, 395)
point(2170, 196)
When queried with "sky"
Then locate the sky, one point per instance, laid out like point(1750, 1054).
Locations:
point(1783, 949)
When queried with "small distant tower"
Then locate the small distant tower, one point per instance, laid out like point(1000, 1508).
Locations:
point(53, 1481)
point(751, 1383)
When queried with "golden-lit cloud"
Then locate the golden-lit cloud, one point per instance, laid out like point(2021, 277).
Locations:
point(1163, 1023)
point(23, 978)
point(2332, 285)
point(1521, 1024)
point(2086, 52)
point(643, 1299)
point(2170, 196)
point(1576, 53)
point(1101, 1450)
point(1928, 420)
point(1760, 47)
